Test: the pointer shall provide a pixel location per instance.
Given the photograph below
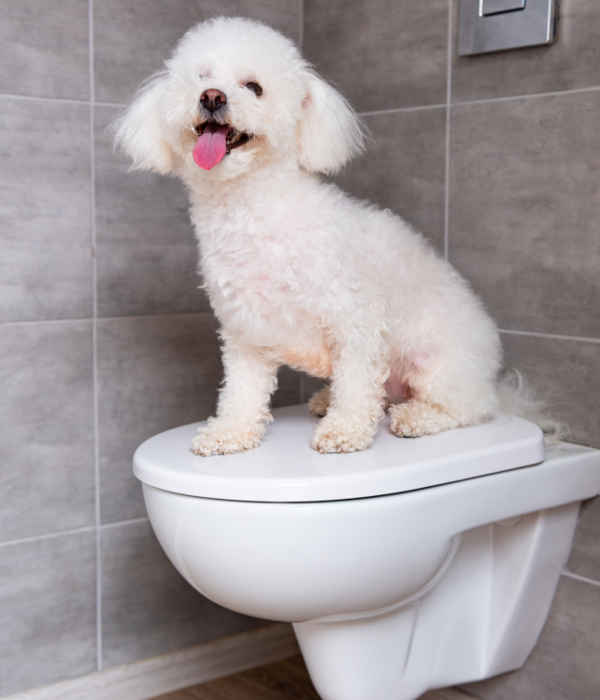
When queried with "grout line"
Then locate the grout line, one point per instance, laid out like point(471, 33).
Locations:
point(508, 98)
point(394, 110)
point(92, 79)
point(165, 314)
point(48, 536)
point(171, 314)
point(448, 112)
point(123, 523)
point(33, 98)
point(74, 531)
point(45, 321)
point(121, 105)
point(553, 336)
point(63, 100)
point(583, 579)
point(301, 24)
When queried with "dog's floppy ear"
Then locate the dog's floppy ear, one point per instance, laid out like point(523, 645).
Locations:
point(329, 130)
point(140, 131)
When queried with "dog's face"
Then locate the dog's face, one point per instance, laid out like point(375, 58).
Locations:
point(237, 95)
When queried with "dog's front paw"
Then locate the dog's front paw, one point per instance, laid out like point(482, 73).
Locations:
point(334, 434)
point(221, 439)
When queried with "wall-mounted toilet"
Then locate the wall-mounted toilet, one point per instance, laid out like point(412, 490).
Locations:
point(419, 563)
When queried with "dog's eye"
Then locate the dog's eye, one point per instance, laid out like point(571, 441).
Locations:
point(255, 87)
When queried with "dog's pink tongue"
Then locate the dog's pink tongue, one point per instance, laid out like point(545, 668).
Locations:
point(211, 147)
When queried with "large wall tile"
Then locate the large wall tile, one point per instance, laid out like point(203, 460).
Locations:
point(154, 373)
point(524, 207)
point(147, 254)
point(564, 664)
point(44, 48)
point(403, 168)
point(571, 62)
point(47, 611)
point(45, 208)
point(132, 39)
point(565, 374)
point(381, 54)
point(148, 279)
point(585, 556)
point(46, 413)
point(147, 607)
point(44, 283)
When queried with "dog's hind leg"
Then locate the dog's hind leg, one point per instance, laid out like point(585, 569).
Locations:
point(414, 418)
point(360, 368)
point(442, 394)
point(319, 402)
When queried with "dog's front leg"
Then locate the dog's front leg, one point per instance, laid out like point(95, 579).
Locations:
point(243, 407)
point(360, 369)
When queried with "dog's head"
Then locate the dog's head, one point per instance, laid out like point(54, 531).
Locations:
point(236, 94)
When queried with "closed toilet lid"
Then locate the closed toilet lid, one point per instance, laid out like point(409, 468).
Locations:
point(286, 469)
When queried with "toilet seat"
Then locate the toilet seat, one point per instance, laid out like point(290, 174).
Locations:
point(285, 468)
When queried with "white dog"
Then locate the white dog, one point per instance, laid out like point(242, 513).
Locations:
point(297, 272)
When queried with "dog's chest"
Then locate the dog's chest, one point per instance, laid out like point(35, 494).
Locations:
point(243, 278)
point(255, 283)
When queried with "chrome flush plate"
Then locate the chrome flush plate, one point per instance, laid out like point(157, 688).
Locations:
point(498, 25)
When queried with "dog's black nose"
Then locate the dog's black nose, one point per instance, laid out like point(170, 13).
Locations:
point(212, 100)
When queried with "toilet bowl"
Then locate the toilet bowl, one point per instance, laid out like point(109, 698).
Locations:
point(416, 564)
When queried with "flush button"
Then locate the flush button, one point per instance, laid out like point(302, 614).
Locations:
point(496, 7)
point(498, 25)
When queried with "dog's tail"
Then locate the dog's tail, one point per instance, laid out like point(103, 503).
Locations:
point(517, 398)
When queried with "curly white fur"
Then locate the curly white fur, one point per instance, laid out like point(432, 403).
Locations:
point(298, 272)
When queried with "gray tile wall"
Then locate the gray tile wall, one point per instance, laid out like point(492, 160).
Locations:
point(497, 159)
point(105, 339)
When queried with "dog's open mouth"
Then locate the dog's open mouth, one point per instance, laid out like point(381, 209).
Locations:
point(215, 141)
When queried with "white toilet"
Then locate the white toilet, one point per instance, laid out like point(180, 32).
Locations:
point(416, 564)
